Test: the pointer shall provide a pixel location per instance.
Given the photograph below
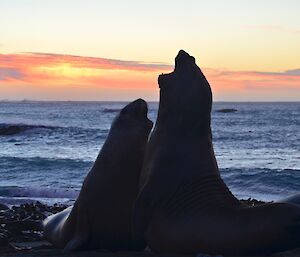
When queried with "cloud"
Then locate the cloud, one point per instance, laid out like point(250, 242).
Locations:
point(61, 70)
point(46, 72)
point(295, 72)
point(10, 73)
point(255, 74)
point(57, 70)
point(49, 60)
point(254, 85)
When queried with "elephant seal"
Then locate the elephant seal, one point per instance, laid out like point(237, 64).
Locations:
point(184, 206)
point(101, 215)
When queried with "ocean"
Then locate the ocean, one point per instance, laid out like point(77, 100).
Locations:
point(47, 148)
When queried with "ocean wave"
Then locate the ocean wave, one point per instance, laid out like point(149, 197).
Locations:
point(43, 172)
point(262, 183)
point(37, 192)
point(12, 129)
point(15, 195)
point(40, 160)
point(111, 110)
point(19, 167)
point(226, 110)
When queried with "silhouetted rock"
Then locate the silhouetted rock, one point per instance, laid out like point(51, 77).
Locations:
point(23, 223)
point(227, 110)
point(252, 202)
point(3, 207)
point(11, 130)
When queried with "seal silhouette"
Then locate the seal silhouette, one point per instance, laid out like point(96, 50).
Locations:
point(101, 215)
point(184, 206)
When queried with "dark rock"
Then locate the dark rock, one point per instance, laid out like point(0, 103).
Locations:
point(3, 239)
point(11, 130)
point(3, 207)
point(23, 223)
point(252, 202)
point(227, 110)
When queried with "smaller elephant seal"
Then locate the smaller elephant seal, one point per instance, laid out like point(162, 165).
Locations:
point(101, 215)
point(184, 206)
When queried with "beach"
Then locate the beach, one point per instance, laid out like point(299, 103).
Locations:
point(21, 234)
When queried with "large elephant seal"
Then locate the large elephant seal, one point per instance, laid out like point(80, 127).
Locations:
point(184, 206)
point(101, 215)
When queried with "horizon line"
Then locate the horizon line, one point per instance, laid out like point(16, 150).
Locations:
point(149, 101)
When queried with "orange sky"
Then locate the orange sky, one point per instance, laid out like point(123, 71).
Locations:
point(115, 50)
point(68, 77)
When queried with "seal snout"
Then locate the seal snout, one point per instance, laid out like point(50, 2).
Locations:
point(138, 108)
point(182, 54)
point(142, 106)
point(182, 59)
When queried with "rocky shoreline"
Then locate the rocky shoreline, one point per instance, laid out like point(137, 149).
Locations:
point(21, 233)
point(21, 225)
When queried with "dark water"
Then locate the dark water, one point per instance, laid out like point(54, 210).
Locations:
point(47, 148)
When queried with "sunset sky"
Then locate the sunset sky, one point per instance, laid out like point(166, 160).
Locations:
point(249, 50)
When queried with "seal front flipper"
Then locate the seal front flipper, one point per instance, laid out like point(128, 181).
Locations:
point(55, 225)
point(81, 234)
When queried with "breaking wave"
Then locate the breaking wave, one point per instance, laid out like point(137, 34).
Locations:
point(12, 129)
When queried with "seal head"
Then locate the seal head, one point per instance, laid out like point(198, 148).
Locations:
point(185, 94)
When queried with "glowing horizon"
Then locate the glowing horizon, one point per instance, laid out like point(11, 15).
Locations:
point(53, 72)
point(88, 50)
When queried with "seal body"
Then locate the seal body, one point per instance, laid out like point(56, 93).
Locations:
point(101, 215)
point(184, 206)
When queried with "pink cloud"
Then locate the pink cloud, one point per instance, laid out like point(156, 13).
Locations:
point(52, 71)
point(41, 59)
point(10, 73)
